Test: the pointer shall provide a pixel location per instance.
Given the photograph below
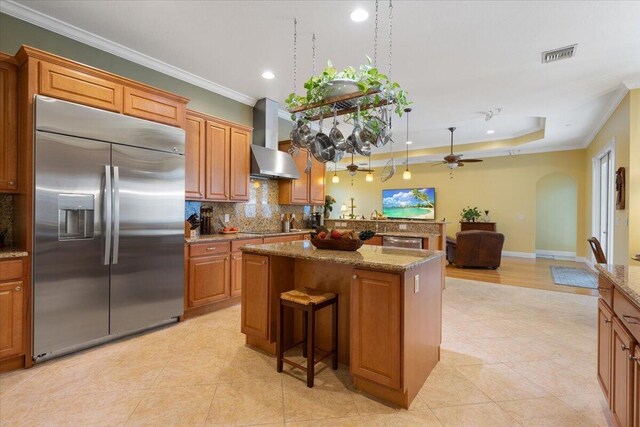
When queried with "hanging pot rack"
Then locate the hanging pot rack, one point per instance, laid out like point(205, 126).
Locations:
point(343, 104)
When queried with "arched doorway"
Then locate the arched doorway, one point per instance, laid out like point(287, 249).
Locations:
point(556, 216)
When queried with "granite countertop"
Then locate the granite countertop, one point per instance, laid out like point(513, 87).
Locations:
point(374, 257)
point(12, 253)
point(626, 279)
point(242, 236)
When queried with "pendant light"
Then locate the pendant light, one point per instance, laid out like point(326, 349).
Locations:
point(335, 179)
point(369, 177)
point(407, 173)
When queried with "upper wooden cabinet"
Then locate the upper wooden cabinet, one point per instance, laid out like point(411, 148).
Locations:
point(151, 106)
point(217, 159)
point(8, 125)
point(309, 188)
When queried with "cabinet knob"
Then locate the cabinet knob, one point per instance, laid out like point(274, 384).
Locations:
point(607, 321)
point(18, 288)
point(12, 182)
point(355, 276)
point(631, 319)
point(632, 357)
point(624, 347)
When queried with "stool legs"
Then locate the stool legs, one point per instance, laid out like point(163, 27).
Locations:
point(279, 344)
point(311, 345)
point(304, 333)
point(334, 335)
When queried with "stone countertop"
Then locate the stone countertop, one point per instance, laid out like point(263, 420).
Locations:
point(626, 279)
point(242, 236)
point(12, 253)
point(373, 257)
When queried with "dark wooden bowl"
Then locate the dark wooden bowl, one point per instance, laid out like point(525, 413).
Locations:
point(338, 244)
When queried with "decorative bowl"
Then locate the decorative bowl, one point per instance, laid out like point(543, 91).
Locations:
point(337, 244)
point(339, 87)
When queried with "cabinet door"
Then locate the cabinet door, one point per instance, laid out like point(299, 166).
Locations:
point(255, 296)
point(375, 327)
point(605, 316)
point(75, 86)
point(300, 186)
point(622, 345)
point(10, 318)
point(236, 273)
point(8, 128)
point(375, 241)
point(194, 158)
point(239, 165)
point(217, 161)
point(636, 388)
point(209, 280)
point(316, 183)
point(154, 107)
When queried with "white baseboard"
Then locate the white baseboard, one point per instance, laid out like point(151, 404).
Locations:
point(556, 254)
point(519, 254)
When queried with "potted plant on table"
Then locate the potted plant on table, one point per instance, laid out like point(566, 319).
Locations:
point(328, 201)
point(470, 214)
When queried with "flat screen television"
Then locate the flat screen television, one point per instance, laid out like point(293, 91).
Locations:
point(413, 203)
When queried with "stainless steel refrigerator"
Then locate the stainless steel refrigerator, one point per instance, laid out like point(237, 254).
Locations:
point(109, 226)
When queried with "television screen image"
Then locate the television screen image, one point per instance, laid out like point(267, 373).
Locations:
point(415, 203)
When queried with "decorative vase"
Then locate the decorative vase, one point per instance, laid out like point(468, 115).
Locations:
point(486, 216)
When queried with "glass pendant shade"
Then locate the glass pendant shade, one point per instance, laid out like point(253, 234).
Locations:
point(406, 174)
point(369, 177)
point(335, 179)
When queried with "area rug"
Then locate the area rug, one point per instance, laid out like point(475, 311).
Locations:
point(578, 277)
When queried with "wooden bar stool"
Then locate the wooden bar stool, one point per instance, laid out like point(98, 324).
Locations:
point(308, 301)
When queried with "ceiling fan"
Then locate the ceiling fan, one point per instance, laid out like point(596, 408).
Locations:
point(353, 168)
point(455, 160)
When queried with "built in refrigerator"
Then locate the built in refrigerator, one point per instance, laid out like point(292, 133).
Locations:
point(109, 226)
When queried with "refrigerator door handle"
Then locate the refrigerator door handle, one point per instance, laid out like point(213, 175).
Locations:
point(116, 213)
point(107, 210)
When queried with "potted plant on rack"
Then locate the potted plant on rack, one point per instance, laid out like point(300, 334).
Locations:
point(328, 201)
point(470, 214)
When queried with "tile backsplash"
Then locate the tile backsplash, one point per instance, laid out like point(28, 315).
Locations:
point(6, 218)
point(261, 212)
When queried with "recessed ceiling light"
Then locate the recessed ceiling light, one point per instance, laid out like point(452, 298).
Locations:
point(409, 142)
point(268, 75)
point(359, 15)
point(491, 132)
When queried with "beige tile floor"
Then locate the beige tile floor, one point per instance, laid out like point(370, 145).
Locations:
point(511, 356)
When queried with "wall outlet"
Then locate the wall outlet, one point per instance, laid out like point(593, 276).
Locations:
point(521, 217)
point(226, 217)
point(403, 226)
point(416, 283)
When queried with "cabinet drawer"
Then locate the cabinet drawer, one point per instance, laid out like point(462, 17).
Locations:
point(237, 244)
point(605, 290)
point(149, 106)
point(208, 248)
point(76, 86)
point(628, 314)
point(10, 270)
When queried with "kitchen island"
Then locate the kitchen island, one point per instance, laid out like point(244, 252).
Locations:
point(390, 309)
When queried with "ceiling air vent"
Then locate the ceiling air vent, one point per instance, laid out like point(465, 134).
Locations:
point(558, 54)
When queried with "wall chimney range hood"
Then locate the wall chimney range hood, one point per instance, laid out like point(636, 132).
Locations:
point(266, 160)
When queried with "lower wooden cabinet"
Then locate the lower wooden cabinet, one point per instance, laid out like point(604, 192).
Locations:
point(11, 308)
point(605, 325)
point(375, 327)
point(374, 241)
point(209, 279)
point(236, 273)
point(255, 296)
point(622, 374)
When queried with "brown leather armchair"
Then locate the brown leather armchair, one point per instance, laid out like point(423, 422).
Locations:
point(475, 248)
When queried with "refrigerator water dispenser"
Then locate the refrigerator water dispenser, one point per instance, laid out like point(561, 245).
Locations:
point(75, 216)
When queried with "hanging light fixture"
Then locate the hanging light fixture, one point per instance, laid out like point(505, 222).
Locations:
point(335, 178)
point(407, 173)
point(369, 177)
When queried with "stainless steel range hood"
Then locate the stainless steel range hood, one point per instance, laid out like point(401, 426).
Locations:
point(266, 160)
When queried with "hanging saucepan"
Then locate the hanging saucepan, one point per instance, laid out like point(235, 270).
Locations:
point(322, 148)
point(301, 134)
point(355, 139)
point(388, 130)
point(336, 136)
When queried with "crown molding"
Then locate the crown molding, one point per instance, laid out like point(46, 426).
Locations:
point(615, 100)
point(39, 19)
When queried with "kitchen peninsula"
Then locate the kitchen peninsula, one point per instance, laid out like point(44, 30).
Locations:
point(390, 309)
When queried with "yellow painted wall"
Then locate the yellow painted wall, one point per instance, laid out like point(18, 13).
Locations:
point(556, 213)
point(617, 127)
point(506, 186)
point(633, 175)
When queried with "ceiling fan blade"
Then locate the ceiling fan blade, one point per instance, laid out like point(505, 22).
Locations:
point(471, 160)
point(460, 164)
point(439, 163)
point(365, 170)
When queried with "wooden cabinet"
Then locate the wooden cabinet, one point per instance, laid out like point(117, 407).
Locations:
point(622, 373)
point(217, 159)
point(255, 296)
point(374, 241)
point(151, 106)
point(82, 87)
point(484, 226)
point(636, 387)
point(605, 325)
point(8, 125)
point(309, 189)
point(194, 154)
point(236, 273)
point(375, 327)
point(209, 279)
point(11, 308)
